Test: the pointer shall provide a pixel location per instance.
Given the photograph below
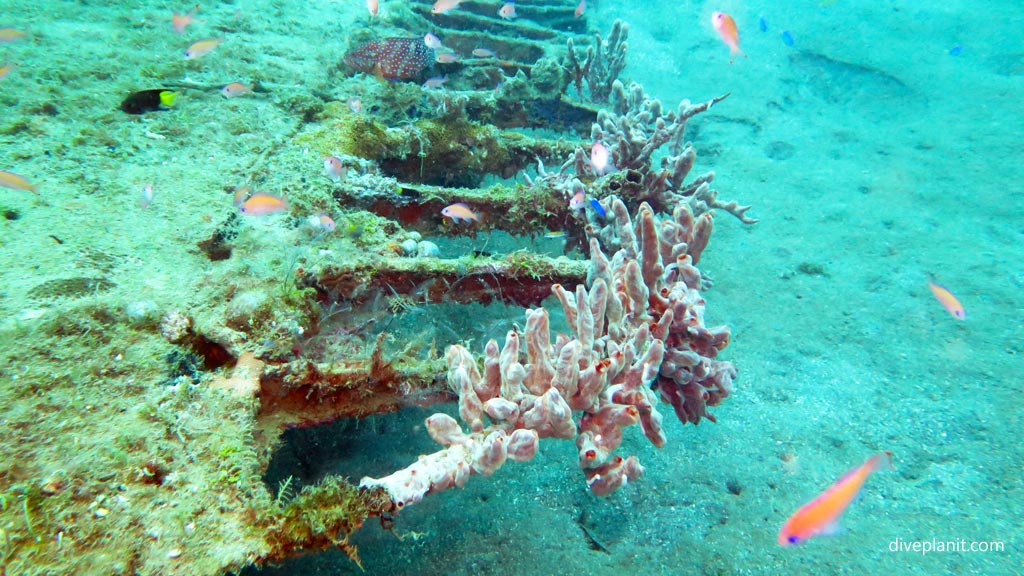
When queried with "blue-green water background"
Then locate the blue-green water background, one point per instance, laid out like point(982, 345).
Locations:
point(870, 148)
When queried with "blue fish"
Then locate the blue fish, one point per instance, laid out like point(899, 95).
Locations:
point(787, 38)
point(598, 207)
point(956, 50)
point(762, 24)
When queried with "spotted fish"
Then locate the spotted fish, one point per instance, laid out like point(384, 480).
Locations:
point(391, 58)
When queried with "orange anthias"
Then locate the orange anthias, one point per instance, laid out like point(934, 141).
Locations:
point(179, 22)
point(201, 47)
point(821, 515)
point(459, 212)
point(730, 34)
point(948, 300)
point(15, 182)
point(444, 6)
point(262, 203)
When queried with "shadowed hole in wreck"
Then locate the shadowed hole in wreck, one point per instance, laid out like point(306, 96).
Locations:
point(213, 354)
point(344, 329)
point(415, 329)
point(351, 448)
point(411, 327)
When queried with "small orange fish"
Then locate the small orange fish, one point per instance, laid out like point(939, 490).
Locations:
point(445, 6)
point(262, 203)
point(577, 201)
point(325, 223)
point(948, 301)
point(181, 21)
point(6, 69)
point(447, 58)
point(234, 90)
point(508, 11)
point(580, 8)
point(15, 182)
point(373, 6)
point(483, 53)
point(726, 28)
point(459, 212)
point(821, 515)
point(335, 168)
point(10, 35)
point(200, 48)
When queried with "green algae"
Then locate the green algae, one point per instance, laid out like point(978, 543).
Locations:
point(448, 150)
point(70, 287)
point(345, 132)
point(516, 209)
point(73, 378)
point(530, 265)
point(325, 514)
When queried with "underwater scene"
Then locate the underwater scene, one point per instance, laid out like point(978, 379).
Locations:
point(342, 287)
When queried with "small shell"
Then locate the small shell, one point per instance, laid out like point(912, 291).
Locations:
point(409, 247)
point(427, 249)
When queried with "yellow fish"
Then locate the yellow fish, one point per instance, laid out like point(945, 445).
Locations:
point(948, 301)
point(15, 182)
point(200, 48)
point(10, 35)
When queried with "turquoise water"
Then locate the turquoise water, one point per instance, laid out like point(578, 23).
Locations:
point(878, 142)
